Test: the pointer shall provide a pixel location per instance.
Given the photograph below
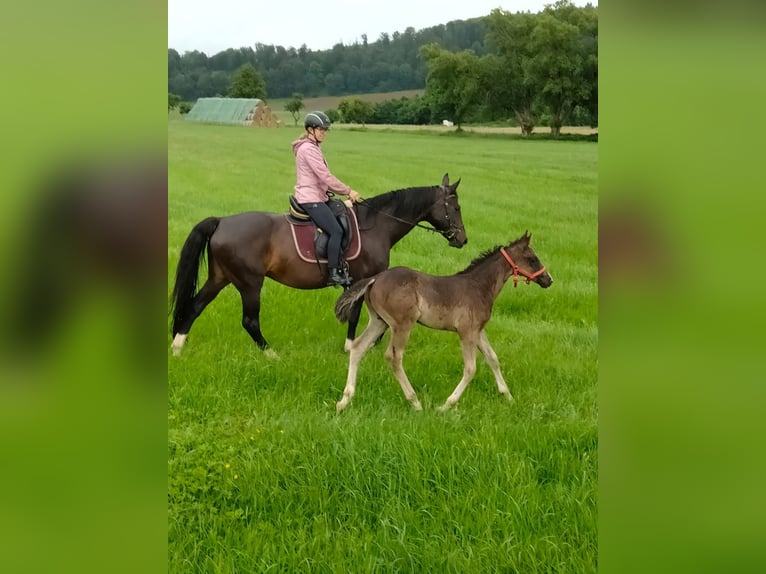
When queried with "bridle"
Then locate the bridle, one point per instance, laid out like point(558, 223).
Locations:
point(518, 271)
point(449, 234)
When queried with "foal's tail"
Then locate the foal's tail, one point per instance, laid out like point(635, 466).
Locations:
point(192, 254)
point(350, 296)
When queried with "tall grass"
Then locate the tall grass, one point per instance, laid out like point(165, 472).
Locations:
point(264, 477)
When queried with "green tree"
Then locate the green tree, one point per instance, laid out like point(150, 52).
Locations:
point(453, 81)
point(294, 106)
point(184, 108)
point(507, 86)
point(173, 101)
point(355, 110)
point(556, 67)
point(247, 83)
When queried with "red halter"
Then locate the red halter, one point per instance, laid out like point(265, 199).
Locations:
point(517, 271)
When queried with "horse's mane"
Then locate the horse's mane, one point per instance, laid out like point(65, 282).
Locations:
point(481, 259)
point(486, 255)
point(400, 197)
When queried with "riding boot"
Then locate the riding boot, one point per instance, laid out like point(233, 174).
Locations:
point(338, 277)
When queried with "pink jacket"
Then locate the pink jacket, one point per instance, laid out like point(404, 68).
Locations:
point(312, 174)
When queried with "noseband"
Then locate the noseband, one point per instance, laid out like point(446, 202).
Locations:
point(518, 271)
point(452, 230)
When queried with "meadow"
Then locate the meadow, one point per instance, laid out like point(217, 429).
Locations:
point(263, 476)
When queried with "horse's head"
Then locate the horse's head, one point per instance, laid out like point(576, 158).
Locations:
point(445, 214)
point(523, 261)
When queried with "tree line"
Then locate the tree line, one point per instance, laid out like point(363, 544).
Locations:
point(387, 65)
point(527, 68)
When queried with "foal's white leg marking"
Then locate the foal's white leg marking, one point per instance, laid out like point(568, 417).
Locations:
point(469, 370)
point(375, 328)
point(491, 357)
point(178, 344)
point(394, 355)
point(347, 345)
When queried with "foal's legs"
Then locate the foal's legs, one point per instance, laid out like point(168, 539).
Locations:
point(394, 355)
point(468, 344)
point(353, 321)
point(201, 300)
point(491, 357)
point(375, 328)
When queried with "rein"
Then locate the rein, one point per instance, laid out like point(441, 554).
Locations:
point(449, 234)
point(518, 271)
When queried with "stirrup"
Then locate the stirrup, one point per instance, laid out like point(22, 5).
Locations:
point(339, 277)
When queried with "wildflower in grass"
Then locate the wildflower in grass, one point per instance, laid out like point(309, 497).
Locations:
point(236, 476)
point(227, 465)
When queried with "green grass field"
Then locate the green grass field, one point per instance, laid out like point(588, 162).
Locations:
point(263, 476)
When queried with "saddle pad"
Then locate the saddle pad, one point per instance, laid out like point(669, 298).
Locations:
point(303, 238)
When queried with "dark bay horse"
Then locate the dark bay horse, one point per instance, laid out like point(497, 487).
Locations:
point(244, 249)
point(400, 297)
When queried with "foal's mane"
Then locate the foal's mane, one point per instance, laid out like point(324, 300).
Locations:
point(400, 197)
point(485, 255)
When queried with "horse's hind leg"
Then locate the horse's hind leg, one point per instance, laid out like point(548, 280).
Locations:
point(491, 357)
point(353, 321)
point(375, 329)
point(468, 345)
point(251, 311)
point(201, 300)
point(394, 356)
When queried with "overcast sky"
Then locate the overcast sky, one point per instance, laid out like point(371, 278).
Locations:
point(212, 26)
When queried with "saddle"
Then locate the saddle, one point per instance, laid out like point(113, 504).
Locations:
point(311, 242)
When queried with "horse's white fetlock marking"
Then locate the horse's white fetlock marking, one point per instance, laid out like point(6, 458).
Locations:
point(178, 344)
point(347, 346)
point(271, 354)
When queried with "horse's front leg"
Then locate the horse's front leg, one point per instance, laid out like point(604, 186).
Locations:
point(491, 357)
point(468, 346)
point(251, 310)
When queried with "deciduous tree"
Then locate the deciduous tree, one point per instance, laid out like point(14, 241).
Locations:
point(452, 83)
point(294, 106)
point(247, 83)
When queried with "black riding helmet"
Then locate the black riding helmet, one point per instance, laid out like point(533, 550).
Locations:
point(317, 120)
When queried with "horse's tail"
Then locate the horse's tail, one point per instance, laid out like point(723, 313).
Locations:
point(350, 296)
point(192, 254)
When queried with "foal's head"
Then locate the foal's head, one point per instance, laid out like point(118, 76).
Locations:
point(523, 261)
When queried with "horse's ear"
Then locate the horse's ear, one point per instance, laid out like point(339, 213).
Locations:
point(526, 237)
point(445, 181)
point(454, 185)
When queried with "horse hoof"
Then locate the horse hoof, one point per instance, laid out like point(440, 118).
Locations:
point(339, 406)
point(176, 352)
point(271, 354)
point(347, 345)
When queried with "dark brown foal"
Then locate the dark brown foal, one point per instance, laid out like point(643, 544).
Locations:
point(400, 297)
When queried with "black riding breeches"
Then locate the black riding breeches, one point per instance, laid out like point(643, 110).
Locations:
point(322, 215)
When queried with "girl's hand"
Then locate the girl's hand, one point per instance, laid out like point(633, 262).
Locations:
point(354, 196)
